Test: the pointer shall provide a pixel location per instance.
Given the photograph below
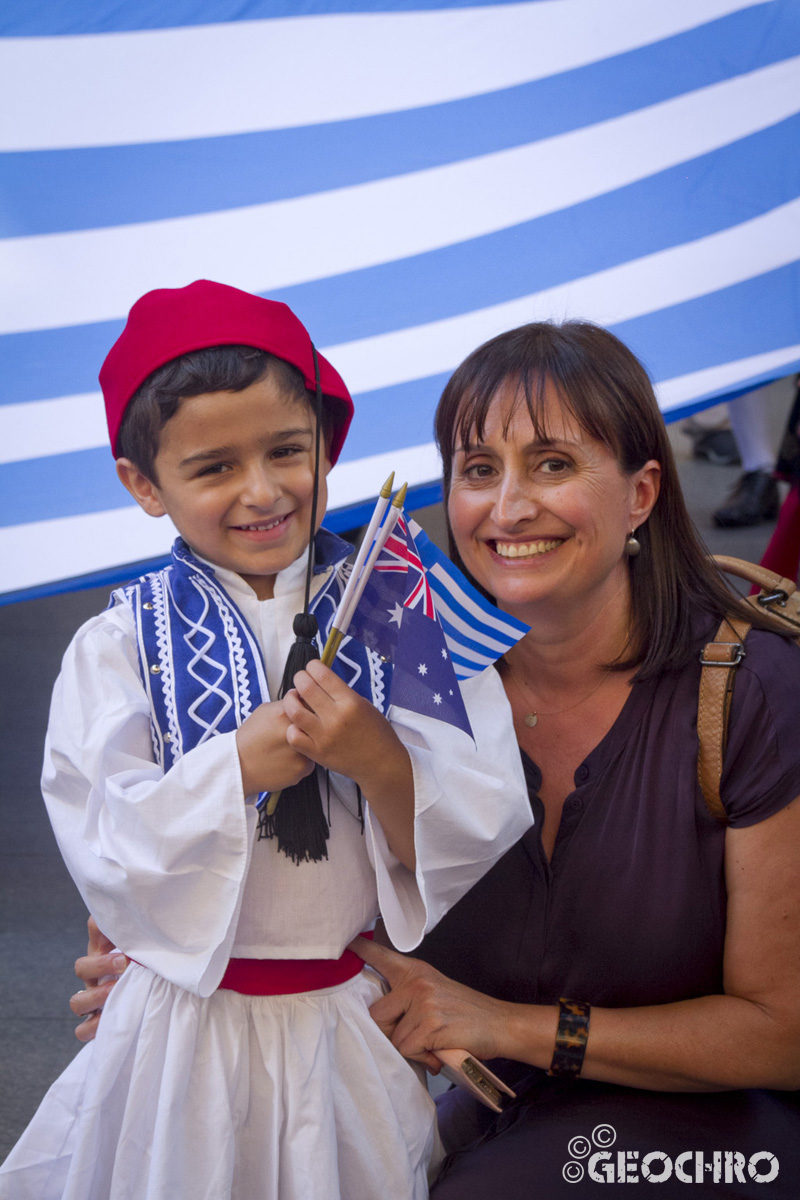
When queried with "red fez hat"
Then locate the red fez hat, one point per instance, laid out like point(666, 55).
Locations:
point(169, 322)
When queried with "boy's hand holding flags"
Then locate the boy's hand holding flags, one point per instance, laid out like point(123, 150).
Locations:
point(408, 603)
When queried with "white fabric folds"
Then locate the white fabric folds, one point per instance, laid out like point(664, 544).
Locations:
point(190, 1091)
point(234, 1096)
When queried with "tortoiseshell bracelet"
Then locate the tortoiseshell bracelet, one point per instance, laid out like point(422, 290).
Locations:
point(571, 1037)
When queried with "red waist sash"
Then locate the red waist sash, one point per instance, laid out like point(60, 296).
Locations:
point(285, 976)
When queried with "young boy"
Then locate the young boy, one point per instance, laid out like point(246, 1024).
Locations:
point(236, 1057)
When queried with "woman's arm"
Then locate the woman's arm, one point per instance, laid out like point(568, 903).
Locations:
point(99, 969)
point(748, 1037)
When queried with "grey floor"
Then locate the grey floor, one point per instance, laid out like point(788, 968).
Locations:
point(43, 927)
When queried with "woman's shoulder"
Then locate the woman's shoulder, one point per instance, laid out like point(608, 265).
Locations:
point(762, 756)
point(774, 662)
point(767, 689)
point(768, 658)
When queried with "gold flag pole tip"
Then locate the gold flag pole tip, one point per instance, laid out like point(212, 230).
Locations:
point(337, 635)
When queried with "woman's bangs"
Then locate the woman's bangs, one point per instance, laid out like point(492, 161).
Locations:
point(476, 405)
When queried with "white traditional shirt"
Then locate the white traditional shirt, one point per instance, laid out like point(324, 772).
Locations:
point(170, 865)
point(191, 1090)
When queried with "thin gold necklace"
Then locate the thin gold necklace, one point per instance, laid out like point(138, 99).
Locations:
point(531, 718)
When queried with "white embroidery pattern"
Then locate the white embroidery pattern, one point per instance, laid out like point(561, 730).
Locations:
point(200, 641)
point(377, 680)
point(242, 695)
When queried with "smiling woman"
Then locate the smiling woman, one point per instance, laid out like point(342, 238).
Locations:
point(632, 962)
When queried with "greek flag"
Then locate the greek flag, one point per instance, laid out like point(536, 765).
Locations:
point(476, 632)
point(412, 177)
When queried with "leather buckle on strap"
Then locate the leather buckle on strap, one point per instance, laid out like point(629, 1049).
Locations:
point(778, 597)
point(730, 654)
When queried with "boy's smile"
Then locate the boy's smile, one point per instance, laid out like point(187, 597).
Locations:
point(235, 472)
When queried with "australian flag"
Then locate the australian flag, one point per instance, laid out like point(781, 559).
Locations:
point(397, 619)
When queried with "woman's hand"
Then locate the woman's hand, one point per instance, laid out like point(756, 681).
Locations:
point(425, 1011)
point(99, 970)
point(748, 1037)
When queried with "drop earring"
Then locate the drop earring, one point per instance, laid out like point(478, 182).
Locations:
point(632, 545)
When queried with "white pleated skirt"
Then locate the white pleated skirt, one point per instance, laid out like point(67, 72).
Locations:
point(231, 1098)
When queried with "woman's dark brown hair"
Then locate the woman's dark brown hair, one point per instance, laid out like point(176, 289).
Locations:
point(606, 390)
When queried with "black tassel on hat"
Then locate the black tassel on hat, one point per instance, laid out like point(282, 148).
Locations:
point(298, 820)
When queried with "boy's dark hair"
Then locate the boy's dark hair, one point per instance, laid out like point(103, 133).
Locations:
point(215, 369)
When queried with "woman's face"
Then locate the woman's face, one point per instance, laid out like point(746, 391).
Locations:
point(544, 521)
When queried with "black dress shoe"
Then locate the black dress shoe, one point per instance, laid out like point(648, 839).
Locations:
point(753, 500)
point(717, 446)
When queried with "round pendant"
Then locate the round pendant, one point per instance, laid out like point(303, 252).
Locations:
point(531, 719)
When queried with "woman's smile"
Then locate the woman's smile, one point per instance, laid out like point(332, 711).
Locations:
point(525, 549)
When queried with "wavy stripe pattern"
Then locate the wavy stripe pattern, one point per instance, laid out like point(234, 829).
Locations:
point(249, 69)
point(83, 187)
point(444, 172)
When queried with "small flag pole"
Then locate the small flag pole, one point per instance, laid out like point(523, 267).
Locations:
point(355, 585)
point(344, 614)
point(366, 543)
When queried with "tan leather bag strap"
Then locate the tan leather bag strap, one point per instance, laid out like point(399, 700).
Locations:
point(769, 581)
point(720, 659)
point(779, 601)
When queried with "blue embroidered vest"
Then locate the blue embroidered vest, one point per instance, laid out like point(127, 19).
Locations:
point(202, 667)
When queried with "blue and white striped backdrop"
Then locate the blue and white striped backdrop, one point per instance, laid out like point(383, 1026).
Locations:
point(410, 180)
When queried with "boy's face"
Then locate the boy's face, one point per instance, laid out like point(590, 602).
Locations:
point(235, 473)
